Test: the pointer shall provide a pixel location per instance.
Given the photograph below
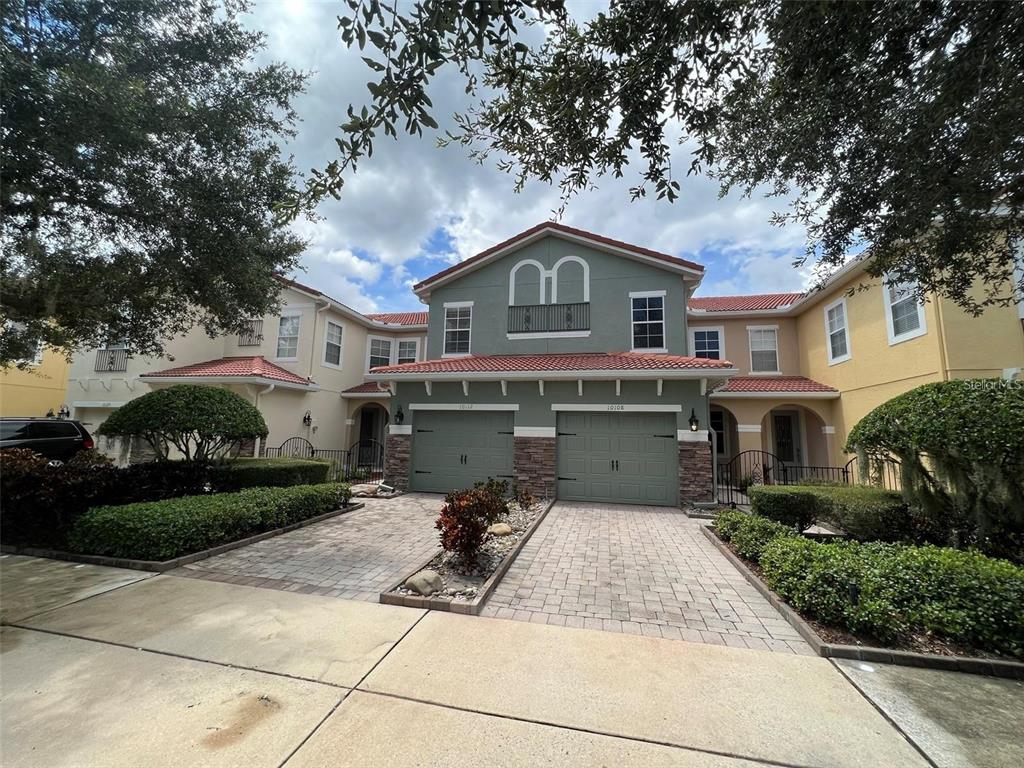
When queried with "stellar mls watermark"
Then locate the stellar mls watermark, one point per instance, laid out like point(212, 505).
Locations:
point(990, 384)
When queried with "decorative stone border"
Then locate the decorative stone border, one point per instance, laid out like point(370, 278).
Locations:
point(159, 566)
point(470, 607)
point(972, 664)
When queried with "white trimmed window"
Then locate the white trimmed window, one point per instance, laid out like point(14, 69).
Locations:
point(708, 343)
point(408, 350)
point(458, 322)
point(380, 352)
point(904, 314)
point(288, 336)
point(764, 348)
point(837, 334)
point(648, 320)
point(332, 345)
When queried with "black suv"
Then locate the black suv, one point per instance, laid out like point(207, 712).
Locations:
point(57, 439)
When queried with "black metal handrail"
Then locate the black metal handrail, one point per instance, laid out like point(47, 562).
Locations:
point(542, 318)
point(252, 333)
point(111, 360)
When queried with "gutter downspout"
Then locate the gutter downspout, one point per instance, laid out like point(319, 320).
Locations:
point(270, 388)
point(943, 352)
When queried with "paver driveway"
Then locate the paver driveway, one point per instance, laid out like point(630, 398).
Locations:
point(644, 570)
point(355, 556)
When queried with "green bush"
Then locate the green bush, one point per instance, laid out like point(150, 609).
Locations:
point(960, 445)
point(162, 530)
point(749, 534)
point(797, 506)
point(202, 423)
point(890, 591)
point(264, 473)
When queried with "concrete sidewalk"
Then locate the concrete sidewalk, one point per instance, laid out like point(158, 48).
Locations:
point(172, 671)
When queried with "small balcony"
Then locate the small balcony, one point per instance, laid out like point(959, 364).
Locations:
point(549, 318)
point(111, 360)
point(252, 333)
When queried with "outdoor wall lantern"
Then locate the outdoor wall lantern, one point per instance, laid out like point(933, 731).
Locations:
point(694, 421)
point(64, 412)
point(399, 416)
point(307, 419)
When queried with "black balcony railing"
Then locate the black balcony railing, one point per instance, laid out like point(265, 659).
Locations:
point(112, 360)
point(549, 318)
point(252, 333)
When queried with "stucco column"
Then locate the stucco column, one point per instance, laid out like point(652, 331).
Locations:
point(749, 436)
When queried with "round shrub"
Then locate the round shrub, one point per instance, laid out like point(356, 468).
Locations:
point(749, 534)
point(795, 506)
point(203, 423)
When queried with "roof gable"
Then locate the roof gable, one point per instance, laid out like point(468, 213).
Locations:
point(554, 229)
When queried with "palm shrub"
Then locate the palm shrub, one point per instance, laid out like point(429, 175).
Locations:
point(960, 445)
point(203, 423)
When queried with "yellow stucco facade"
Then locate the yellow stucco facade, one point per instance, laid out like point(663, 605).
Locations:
point(36, 390)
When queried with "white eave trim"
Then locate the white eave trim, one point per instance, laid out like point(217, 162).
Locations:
point(602, 375)
point(368, 395)
point(310, 387)
point(544, 232)
point(793, 395)
point(463, 406)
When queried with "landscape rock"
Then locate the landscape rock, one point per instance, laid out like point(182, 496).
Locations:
point(500, 529)
point(425, 583)
point(363, 490)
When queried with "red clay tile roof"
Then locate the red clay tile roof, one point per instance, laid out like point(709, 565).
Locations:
point(251, 367)
point(369, 387)
point(567, 230)
point(772, 384)
point(400, 318)
point(584, 361)
point(749, 303)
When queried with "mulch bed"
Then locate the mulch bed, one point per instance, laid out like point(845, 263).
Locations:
point(463, 581)
point(916, 643)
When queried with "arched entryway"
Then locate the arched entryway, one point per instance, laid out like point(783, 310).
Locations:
point(796, 435)
point(369, 427)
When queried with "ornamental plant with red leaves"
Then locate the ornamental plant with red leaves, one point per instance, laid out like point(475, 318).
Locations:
point(465, 516)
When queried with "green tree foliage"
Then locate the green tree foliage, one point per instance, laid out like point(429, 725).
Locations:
point(961, 450)
point(898, 125)
point(201, 422)
point(140, 166)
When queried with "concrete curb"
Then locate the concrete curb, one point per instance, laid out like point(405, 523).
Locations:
point(470, 607)
point(159, 566)
point(970, 664)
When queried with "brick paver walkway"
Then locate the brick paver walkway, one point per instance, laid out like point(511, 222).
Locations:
point(643, 570)
point(354, 556)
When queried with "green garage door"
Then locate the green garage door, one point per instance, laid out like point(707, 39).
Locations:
point(454, 449)
point(631, 458)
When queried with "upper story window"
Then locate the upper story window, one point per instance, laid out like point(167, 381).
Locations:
point(648, 320)
point(408, 350)
point(764, 348)
point(904, 314)
point(251, 334)
point(332, 345)
point(112, 356)
point(380, 352)
point(837, 332)
point(288, 336)
point(458, 321)
point(37, 357)
point(708, 343)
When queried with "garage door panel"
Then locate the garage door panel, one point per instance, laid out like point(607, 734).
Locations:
point(442, 438)
point(618, 457)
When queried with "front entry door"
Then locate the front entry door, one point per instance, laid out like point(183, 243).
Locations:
point(786, 427)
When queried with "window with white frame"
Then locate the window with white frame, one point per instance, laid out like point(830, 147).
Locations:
point(380, 352)
point(332, 344)
point(288, 336)
point(458, 321)
point(708, 343)
point(648, 320)
point(837, 332)
point(717, 423)
point(764, 349)
point(408, 350)
point(904, 314)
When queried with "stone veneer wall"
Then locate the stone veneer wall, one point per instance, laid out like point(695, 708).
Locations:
point(533, 465)
point(696, 481)
point(397, 457)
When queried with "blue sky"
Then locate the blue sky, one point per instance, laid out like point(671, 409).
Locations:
point(413, 209)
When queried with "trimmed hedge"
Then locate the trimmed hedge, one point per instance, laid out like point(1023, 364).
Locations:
point(268, 473)
point(161, 530)
point(890, 591)
point(887, 591)
point(863, 512)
